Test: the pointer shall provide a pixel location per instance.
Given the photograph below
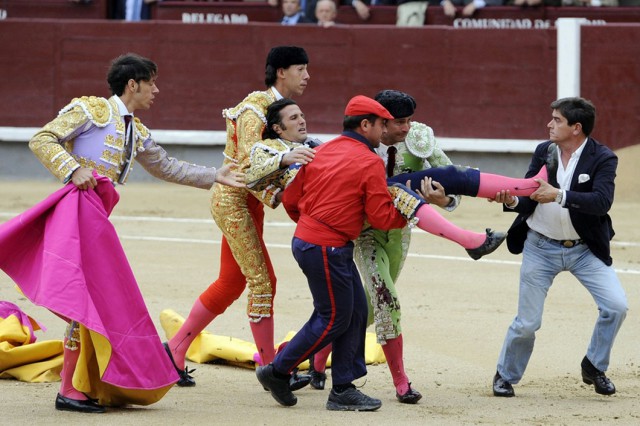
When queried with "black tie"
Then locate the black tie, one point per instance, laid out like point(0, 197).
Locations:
point(127, 123)
point(128, 147)
point(391, 160)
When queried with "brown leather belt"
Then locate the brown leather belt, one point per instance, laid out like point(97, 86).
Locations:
point(564, 243)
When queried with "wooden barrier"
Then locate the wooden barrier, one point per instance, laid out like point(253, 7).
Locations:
point(472, 83)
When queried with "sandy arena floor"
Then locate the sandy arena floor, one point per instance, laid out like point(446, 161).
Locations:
point(456, 313)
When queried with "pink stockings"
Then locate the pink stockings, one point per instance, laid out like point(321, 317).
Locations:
point(200, 317)
point(434, 223)
point(393, 353)
point(263, 337)
point(492, 184)
point(431, 221)
point(71, 348)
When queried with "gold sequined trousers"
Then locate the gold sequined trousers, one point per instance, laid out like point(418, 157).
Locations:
point(244, 257)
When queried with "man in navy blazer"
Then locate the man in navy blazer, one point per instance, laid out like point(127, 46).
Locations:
point(565, 226)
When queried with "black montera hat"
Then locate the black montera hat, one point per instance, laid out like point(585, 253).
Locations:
point(285, 56)
point(399, 104)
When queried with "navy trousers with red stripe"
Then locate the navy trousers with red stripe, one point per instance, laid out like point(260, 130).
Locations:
point(339, 315)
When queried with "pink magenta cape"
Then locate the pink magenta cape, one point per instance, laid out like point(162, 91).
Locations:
point(65, 255)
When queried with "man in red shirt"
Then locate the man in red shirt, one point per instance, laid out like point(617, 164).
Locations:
point(330, 199)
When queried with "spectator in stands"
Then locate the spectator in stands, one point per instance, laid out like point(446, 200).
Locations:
point(326, 13)
point(411, 13)
point(293, 14)
point(307, 6)
point(132, 10)
point(595, 3)
point(535, 2)
point(362, 8)
point(469, 6)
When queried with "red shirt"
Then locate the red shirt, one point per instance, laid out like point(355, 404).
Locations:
point(345, 184)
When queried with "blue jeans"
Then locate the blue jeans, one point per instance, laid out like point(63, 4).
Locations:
point(542, 260)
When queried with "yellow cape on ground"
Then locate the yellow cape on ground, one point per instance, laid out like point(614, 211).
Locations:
point(211, 348)
point(36, 362)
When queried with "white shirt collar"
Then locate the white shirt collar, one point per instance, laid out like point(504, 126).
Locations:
point(276, 93)
point(578, 152)
point(122, 109)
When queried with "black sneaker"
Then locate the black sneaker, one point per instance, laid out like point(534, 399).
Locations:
point(352, 399)
point(491, 243)
point(279, 388)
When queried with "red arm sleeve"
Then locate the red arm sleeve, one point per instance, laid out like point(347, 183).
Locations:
point(379, 208)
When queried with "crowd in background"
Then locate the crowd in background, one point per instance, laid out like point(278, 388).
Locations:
point(325, 12)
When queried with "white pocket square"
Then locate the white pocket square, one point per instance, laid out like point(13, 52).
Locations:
point(583, 178)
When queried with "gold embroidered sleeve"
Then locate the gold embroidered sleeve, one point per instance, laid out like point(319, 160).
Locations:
point(50, 143)
point(157, 162)
point(263, 174)
point(406, 204)
point(268, 196)
point(248, 130)
point(264, 169)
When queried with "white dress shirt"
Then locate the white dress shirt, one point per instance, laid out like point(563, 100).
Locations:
point(552, 219)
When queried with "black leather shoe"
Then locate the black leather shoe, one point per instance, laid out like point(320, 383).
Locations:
point(501, 387)
point(491, 243)
point(278, 387)
point(81, 406)
point(318, 379)
point(412, 396)
point(186, 380)
point(298, 381)
point(592, 376)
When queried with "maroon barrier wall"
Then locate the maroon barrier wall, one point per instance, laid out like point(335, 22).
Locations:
point(468, 83)
point(610, 77)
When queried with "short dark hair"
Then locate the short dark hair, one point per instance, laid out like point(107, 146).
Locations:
point(399, 104)
point(283, 57)
point(273, 117)
point(127, 67)
point(577, 110)
point(352, 122)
